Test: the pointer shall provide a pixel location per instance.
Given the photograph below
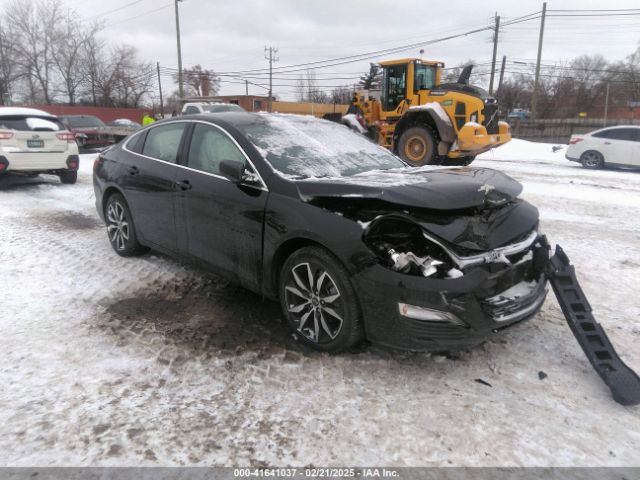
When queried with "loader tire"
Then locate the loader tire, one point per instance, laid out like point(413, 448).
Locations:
point(418, 146)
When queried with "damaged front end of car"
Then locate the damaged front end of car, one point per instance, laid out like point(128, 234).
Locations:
point(457, 259)
point(450, 297)
point(449, 292)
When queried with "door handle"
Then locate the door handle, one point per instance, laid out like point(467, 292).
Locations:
point(133, 171)
point(184, 185)
point(607, 143)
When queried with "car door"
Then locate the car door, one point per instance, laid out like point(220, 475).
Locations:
point(635, 149)
point(149, 183)
point(223, 220)
point(614, 144)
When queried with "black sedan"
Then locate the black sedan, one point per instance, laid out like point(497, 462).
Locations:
point(353, 242)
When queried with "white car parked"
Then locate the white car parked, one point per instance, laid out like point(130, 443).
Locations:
point(215, 107)
point(33, 141)
point(614, 146)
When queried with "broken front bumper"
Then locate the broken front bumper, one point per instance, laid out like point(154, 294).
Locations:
point(623, 382)
point(466, 310)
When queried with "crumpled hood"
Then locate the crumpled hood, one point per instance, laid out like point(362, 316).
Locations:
point(425, 187)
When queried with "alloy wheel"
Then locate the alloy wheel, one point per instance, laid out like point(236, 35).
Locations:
point(314, 302)
point(117, 226)
point(591, 159)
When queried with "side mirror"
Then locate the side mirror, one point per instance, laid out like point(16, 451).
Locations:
point(233, 170)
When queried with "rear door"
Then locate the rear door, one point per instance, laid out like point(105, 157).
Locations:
point(223, 220)
point(635, 149)
point(615, 144)
point(149, 183)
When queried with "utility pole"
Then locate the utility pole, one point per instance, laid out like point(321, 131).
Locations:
point(606, 106)
point(180, 84)
point(160, 88)
point(246, 87)
point(271, 55)
point(534, 97)
point(504, 62)
point(495, 52)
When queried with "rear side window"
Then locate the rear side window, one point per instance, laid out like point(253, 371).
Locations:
point(137, 142)
point(190, 109)
point(629, 134)
point(26, 123)
point(163, 141)
point(84, 121)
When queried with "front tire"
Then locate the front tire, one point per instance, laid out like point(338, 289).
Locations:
point(69, 177)
point(319, 301)
point(592, 160)
point(120, 228)
point(418, 146)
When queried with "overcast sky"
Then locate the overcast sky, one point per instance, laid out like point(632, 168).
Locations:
point(231, 35)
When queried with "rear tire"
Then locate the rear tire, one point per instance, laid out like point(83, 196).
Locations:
point(120, 228)
point(418, 146)
point(69, 176)
point(592, 160)
point(319, 301)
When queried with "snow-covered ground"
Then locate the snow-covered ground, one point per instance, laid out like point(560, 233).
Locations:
point(112, 361)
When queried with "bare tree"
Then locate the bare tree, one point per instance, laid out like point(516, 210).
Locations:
point(125, 81)
point(9, 71)
point(307, 89)
point(93, 65)
point(69, 53)
point(193, 78)
point(341, 95)
point(34, 25)
point(514, 94)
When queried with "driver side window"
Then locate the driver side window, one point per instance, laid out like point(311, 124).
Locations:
point(209, 147)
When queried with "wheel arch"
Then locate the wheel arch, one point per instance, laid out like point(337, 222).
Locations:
point(424, 116)
point(108, 192)
point(284, 251)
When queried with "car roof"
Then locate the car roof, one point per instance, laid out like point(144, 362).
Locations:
point(613, 127)
point(10, 111)
point(233, 118)
point(77, 116)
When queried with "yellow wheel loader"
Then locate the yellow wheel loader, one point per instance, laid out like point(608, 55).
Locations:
point(424, 121)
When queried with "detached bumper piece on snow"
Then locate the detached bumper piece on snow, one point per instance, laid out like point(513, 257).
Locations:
point(623, 382)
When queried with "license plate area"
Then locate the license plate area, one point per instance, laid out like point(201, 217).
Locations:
point(35, 143)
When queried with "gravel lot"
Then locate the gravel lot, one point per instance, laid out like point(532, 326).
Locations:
point(112, 361)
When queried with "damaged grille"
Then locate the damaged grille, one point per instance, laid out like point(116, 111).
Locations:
point(505, 307)
point(424, 331)
point(490, 113)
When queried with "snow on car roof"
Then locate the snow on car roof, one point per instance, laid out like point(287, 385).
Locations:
point(10, 111)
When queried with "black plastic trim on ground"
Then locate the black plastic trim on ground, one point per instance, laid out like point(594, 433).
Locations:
point(623, 382)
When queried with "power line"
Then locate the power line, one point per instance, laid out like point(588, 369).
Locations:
point(140, 15)
point(596, 10)
point(115, 10)
point(362, 56)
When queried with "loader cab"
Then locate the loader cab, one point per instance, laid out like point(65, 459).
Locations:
point(403, 80)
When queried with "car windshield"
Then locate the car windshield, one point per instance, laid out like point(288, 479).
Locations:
point(222, 108)
point(303, 146)
point(28, 123)
point(84, 122)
